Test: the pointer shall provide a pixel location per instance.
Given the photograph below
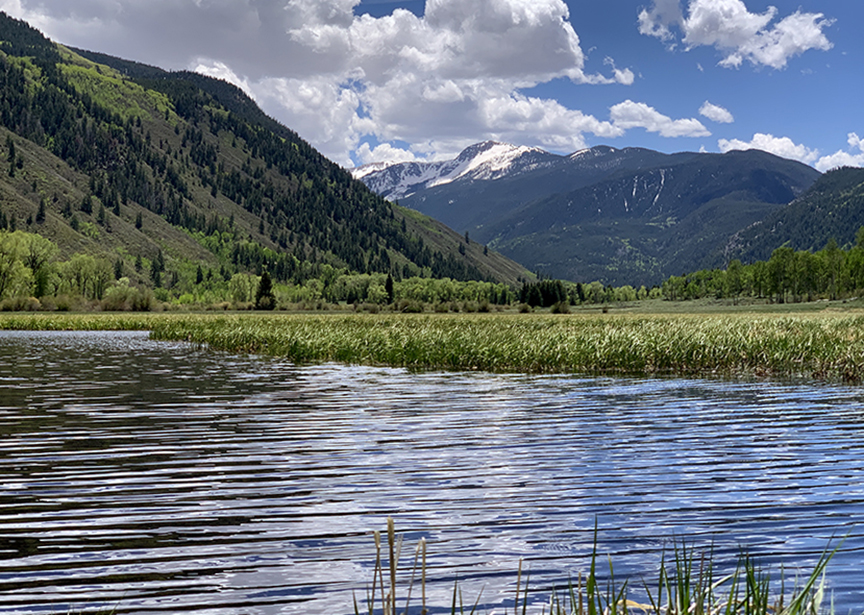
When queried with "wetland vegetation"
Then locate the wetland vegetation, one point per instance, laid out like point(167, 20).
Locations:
point(819, 344)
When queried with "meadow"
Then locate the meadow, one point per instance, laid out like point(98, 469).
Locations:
point(824, 344)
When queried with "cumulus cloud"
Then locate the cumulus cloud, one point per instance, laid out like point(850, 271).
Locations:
point(450, 77)
point(715, 113)
point(660, 18)
point(785, 147)
point(779, 146)
point(842, 158)
point(384, 153)
point(220, 70)
point(629, 114)
point(739, 34)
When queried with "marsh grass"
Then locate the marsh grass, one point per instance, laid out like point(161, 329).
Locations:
point(824, 345)
point(686, 585)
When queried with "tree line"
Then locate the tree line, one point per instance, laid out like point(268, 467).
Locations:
point(33, 277)
point(787, 276)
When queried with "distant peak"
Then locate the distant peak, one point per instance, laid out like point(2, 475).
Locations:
point(496, 147)
point(593, 152)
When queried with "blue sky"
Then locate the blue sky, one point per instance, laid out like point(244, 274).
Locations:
point(375, 79)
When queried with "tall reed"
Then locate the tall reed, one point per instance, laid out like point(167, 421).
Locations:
point(686, 585)
point(818, 345)
point(821, 346)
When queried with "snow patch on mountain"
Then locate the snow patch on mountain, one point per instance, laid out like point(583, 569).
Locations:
point(484, 161)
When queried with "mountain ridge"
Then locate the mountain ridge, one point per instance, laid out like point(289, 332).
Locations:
point(620, 216)
point(482, 161)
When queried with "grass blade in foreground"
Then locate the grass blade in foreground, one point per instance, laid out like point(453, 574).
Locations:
point(687, 583)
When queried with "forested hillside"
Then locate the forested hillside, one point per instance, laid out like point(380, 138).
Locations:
point(171, 177)
point(833, 208)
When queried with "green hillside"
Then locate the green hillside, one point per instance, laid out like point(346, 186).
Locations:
point(134, 165)
point(833, 208)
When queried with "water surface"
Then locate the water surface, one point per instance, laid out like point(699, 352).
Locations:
point(162, 478)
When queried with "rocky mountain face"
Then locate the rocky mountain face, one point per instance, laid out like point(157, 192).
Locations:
point(621, 216)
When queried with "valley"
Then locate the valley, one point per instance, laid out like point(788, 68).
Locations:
point(621, 217)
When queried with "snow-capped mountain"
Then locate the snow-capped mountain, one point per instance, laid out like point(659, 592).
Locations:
point(622, 216)
point(483, 161)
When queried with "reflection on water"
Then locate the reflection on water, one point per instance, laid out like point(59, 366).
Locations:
point(162, 478)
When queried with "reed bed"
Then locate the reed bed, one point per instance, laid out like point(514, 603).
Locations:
point(686, 584)
point(822, 345)
point(89, 321)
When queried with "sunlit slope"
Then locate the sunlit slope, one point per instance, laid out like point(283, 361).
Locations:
point(126, 165)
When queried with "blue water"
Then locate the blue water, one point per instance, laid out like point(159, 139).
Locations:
point(162, 478)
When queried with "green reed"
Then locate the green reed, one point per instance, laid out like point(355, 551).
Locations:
point(820, 345)
point(686, 585)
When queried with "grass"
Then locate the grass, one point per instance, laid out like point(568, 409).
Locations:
point(686, 585)
point(823, 345)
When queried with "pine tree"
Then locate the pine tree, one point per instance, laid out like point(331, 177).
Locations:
point(388, 287)
point(264, 298)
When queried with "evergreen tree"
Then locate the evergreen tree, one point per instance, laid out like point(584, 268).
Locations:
point(157, 266)
point(388, 288)
point(264, 297)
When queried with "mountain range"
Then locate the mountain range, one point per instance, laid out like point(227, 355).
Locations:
point(621, 216)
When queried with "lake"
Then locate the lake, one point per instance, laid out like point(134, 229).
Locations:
point(163, 478)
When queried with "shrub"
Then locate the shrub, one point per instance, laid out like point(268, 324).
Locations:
point(125, 298)
point(20, 304)
point(408, 306)
point(562, 307)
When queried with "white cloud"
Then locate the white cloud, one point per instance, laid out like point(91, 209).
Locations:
point(220, 70)
point(779, 146)
point(741, 35)
point(844, 159)
point(715, 113)
point(786, 148)
point(451, 76)
point(658, 21)
point(629, 114)
point(384, 153)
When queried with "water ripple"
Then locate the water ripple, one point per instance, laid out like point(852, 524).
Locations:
point(162, 478)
